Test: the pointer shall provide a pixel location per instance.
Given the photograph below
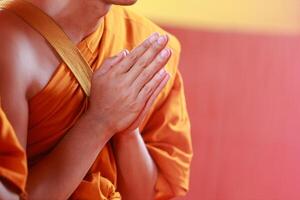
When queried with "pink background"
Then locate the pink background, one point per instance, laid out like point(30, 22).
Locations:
point(243, 94)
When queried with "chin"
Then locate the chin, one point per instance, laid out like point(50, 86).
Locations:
point(121, 2)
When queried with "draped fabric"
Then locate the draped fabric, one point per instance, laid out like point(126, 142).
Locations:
point(166, 130)
point(13, 166)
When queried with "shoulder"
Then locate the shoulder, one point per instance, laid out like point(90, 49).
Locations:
point(13, 41)
point(14, 73)
point(13, 34)
point(10, 48)
point(16, 52)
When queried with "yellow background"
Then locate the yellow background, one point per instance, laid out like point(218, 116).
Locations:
point(241, 15)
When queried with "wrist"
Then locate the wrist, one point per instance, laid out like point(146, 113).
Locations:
point(126, 136)
point(99, 126)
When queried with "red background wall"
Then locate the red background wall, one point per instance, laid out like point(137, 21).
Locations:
point(243, 94)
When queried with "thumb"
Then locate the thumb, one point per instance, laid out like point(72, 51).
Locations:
point(110, 62)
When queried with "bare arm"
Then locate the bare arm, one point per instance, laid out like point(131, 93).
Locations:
point(137, 171)
point(62, 170)
point(56, 175)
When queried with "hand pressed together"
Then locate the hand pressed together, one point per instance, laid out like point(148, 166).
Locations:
point(126, 86)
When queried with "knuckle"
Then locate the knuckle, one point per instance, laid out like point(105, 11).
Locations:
point(147, 89)
point(133, 56)
point(143, 63)
point(147, 73)
point(146, 44)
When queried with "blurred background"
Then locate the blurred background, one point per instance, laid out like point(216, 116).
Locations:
point(241, 66)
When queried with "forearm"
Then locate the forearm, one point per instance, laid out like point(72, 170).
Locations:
point(136, 170)
point(60, 173)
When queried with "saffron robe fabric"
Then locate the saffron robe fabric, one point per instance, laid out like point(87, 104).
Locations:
point(166, 130)
point(13, 165)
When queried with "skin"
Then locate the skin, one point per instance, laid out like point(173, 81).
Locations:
point(7, 194)
point(137, 172)
point(26, 65)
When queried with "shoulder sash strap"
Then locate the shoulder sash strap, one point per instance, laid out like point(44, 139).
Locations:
point(56, 37)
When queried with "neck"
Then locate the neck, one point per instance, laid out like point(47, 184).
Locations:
point(77, 18)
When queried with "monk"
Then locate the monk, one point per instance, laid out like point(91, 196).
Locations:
point(130, 138)
point(13, 170)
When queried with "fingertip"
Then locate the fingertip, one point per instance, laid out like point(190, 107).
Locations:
point(153, 37)
point(126, 52)
point(122, 53)
point(170, 51)
point(165, 54)
point(167, 38)
point(117, 58)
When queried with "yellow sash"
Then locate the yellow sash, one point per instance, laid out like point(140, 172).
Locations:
point(56, 37)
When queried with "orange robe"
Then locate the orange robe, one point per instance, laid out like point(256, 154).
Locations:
point(166, 130)
point(13, 164)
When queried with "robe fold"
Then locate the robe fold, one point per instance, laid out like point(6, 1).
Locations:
point(13, 164)
point(166, 130)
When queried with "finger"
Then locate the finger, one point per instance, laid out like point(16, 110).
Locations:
point(149, 103)
point(158, 63)
point(155, 93)
point(148, 57)
point(110, 62)
point(148, 89)
point(132, 57)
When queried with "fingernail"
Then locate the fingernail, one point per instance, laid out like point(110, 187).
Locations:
point(162, 72)
point(126, 52)
point(153, 37)
point(162, 39)
point(165, 53)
